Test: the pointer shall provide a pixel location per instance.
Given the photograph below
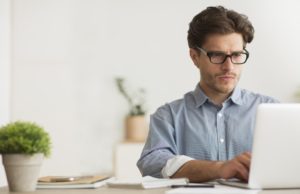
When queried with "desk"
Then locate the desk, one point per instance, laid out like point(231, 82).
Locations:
point(101, 190)
point(105, 190)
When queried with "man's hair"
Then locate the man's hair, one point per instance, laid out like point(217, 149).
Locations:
point(218, 20)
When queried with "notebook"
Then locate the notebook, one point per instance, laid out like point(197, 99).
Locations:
point(82, 182)
point(275, 161)
point(147, 182)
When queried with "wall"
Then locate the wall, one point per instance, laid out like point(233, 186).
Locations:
point(66, 54)
point(5, 71)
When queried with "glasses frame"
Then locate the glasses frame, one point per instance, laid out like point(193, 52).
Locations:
point(209, 55)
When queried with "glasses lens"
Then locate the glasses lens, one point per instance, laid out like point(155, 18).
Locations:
point(217, 58)
point(238, 58)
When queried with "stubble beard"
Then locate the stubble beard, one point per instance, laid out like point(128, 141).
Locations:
point(221, 87)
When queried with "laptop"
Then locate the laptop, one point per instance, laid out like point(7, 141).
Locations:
point(275, 161)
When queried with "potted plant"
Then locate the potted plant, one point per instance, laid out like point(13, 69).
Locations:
point(135, 122)
point(23, 146)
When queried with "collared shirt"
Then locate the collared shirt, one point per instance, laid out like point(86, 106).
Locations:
point(193, 126)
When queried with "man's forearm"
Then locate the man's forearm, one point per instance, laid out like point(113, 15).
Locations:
point(199, 170)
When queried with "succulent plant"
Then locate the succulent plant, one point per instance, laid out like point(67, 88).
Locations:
point(22, 137)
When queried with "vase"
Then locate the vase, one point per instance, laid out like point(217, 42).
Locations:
point(22, 171)
point(136, 128)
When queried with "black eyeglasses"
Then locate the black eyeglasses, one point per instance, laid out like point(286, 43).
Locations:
point(217, 57)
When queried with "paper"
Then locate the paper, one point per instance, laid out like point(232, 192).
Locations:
point(147, 182)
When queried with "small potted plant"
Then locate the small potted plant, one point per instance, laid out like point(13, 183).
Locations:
point(135, 123)
point(23, 146)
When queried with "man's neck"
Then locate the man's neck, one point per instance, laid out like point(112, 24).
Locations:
point(216, 97)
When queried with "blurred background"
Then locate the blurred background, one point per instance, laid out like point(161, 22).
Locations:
point(59, 59)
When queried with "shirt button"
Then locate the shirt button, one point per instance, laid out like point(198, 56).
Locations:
point(222, 140)
point(220, 114)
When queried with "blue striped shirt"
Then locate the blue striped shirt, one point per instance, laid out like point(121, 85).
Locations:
point(195, 127)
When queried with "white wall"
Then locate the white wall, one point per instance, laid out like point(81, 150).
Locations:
point(66, 54)
point(5, 65)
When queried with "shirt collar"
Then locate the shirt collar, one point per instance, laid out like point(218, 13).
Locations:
point(201, 98)
point(199, 95)
point(236, 96)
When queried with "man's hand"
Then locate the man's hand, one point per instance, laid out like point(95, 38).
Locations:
point(238, 167)
point(202, 170)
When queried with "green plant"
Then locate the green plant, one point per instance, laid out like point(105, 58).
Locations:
point(136, 99)
point(24, 138)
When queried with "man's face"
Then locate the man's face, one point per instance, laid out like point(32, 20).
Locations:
point(219, 78)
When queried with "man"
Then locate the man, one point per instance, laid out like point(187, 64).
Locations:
point(208, 134)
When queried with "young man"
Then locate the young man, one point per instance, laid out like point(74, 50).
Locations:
point(207, 134)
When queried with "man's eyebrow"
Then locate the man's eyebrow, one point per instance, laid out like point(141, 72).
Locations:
point(219, 51)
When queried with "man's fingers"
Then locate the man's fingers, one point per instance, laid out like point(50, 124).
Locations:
point(243, 165)
point(237, 167)
point(245, 159)
point(248, 154)
point(242, 171)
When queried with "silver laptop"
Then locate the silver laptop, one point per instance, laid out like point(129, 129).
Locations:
point(275, 161)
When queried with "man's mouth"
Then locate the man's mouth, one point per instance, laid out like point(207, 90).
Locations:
point(226, 77)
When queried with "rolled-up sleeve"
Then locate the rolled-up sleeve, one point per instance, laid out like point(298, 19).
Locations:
point(160, 145)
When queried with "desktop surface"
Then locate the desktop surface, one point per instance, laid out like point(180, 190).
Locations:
point(106, 190)
point(101, 190)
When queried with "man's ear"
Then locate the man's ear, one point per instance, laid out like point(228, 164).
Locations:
point(194, 56)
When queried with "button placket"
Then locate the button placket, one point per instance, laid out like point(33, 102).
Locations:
point(221, 136)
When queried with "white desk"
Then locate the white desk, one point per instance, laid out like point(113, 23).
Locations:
point(105, 190)
point(101, 190)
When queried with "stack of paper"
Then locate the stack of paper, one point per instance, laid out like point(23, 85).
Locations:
point(147, 182)
point(87, 182)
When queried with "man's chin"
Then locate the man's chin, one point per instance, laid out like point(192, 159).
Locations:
point(225, 90)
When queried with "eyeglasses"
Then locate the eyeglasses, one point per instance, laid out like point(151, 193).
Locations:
point(217, 57)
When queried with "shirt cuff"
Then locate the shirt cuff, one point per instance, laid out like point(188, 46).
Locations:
point(173, 164)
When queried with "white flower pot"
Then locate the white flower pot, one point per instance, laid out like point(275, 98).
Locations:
point(22, 171)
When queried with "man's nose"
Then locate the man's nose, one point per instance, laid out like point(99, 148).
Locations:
point(227, 65)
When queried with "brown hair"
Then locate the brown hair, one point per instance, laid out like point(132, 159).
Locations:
point(218, 20)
